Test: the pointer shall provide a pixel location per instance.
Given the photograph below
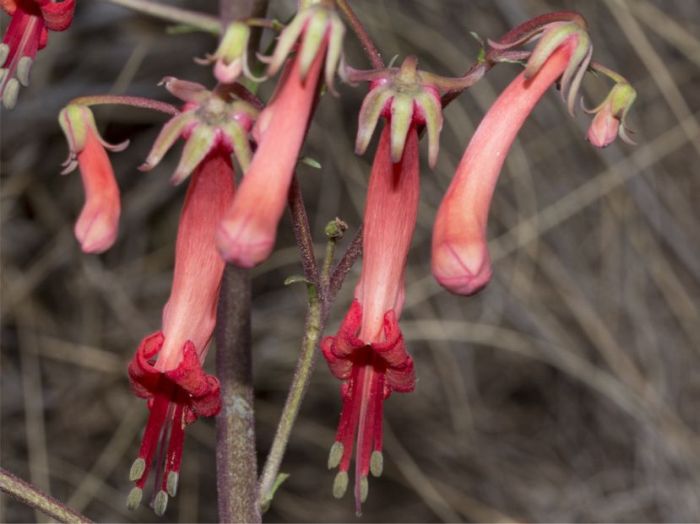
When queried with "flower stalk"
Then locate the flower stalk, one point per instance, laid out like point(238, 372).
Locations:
point(31, 496)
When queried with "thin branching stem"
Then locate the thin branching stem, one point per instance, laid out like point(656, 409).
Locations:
point(31, 496)
point(366, 41)
point(315, 320)
point(133, 101)
point(302, 232)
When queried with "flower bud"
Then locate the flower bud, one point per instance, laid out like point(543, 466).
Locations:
point(97, 226)
point(610, 116)
point(231, 57)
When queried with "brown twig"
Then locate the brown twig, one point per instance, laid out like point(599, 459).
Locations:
point(302, 232)
point(236, 463)
point(236, 460)
point(29, 495)
point(352, 253)
point(370, 49)
point(133, 101)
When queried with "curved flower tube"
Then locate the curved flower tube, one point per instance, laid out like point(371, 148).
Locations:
point(460, 258)
point(98, 224)
point(247, 233)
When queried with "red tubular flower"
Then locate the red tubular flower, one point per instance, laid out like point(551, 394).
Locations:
point(98, 224)
point(167, 367)
point(26, 34)
point(368, 353)
point(247, 234)
point(460, 258)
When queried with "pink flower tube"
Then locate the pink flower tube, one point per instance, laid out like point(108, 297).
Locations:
point(460, 257)
point(247, 233)
point(368, 353)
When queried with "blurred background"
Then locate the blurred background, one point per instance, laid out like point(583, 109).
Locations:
point(566, 391)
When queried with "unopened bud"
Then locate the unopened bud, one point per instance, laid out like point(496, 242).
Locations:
point(335, 229)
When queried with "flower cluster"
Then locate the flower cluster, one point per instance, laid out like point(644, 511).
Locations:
point(220, 223)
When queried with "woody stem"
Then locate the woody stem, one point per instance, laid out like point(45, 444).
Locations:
point(236, 460)
point(31, 496)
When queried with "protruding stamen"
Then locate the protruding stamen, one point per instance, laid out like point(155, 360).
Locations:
point(134, 498)
point(376, 463)
point(335, 455)
point(364, 489)
point(4, 52)
point(137, 469)
point(171, 483)
point(160, 503)
point(340, 484)
point(24, 67)
point(10, 94)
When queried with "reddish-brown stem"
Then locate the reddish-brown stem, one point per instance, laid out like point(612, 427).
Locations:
point(343, 267)
point(236, 460)
point(133, 101)
point(302, 232)
point(370, 49)
point(31, 496)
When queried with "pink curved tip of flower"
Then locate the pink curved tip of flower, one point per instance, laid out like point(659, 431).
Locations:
point(97, 226)
point(604, 129)
point(461, 268)
point(244, 244)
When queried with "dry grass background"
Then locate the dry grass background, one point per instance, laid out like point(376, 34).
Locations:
point(568, 390)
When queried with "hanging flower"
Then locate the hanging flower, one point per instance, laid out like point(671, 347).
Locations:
point(460, 258)
point(98, 224)
point(247, 233)
point(167, 367)
point(368, 353)
point(25, 36)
